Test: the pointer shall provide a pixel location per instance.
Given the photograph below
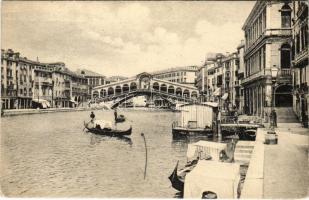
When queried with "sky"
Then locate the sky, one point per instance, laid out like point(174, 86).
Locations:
point(123, 38)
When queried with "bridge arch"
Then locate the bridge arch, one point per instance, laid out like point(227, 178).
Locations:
point(125, 88)
point(186, 93)
point(110, 91)
point(102, 93)
point(171, 89)
point(156, 86)
point(118, 90)
point(163, 88)
point(178, 91)
point(133, 86)
point(96, 94)
point(194, 94)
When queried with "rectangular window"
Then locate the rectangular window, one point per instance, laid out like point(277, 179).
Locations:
point(285, 19)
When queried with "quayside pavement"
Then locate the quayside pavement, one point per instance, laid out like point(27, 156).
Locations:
point(286, 170)
point(279, 171)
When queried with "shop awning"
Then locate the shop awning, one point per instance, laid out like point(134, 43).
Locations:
point(225, 96)
point(212, 104)
point(73, 101)
point(217, 92)
point(43, 102)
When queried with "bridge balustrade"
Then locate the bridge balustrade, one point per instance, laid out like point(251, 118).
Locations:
point(127, 93)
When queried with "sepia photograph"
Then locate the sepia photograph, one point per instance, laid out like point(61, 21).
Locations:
point(154, 99)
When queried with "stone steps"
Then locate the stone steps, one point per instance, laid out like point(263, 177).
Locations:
point(243, 151)
point(286, 115)
point(289, 125)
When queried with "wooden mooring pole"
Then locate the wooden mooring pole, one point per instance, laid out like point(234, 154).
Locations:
point(146, 158)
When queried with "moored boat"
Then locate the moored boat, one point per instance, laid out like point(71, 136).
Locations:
point(97, 129)
point(176, 181)
point(195, 119)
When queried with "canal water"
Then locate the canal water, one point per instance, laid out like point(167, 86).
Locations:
point(49, 155)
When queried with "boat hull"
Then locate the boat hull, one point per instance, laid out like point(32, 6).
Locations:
point(187, 132)
point(176, 182)
point(120, 119)
point(113, 133)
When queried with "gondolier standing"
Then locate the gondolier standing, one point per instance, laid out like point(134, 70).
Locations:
point(92, 116)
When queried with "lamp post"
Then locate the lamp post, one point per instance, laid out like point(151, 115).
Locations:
point(274, 75)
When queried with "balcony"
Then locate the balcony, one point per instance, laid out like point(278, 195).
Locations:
point(43, 80)
point(11, 87)
point(279, 32)
point(300, 57)
point(285, 72)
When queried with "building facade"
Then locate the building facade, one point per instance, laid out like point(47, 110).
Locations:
point(239, 90)
point(215, 81)
point(93, 79)
point(300, 60)
point(184, 75)
point(201, 82)
point(229, 67)
point(31, 84)
point(267, 82)
point(16, 81)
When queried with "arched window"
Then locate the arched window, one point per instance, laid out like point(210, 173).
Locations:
point(133, 86)
point(178, 91)
point(95, 94)
point(125, 88)
point(171, 89)
point(163, 88)
point(285, 56)
point(110, 91)
point(286, 16)
point(118, 90)
point(156, 86)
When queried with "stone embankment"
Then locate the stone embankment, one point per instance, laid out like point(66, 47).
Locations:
point(15, 112)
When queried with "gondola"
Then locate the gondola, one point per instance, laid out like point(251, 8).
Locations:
point(176, 181)
point(120, 119)
point(108, 132)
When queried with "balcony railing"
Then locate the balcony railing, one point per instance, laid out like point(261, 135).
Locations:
point(43, 80)
point(10, 87)
point(301, 56)
point(279, 31)
point(285, 72)
point(267, 72)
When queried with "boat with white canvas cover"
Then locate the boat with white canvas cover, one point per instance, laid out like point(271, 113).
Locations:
point(195, 119)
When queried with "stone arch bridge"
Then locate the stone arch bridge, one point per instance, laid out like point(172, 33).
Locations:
point(144, 84)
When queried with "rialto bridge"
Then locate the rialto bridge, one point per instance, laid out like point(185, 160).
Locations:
point(144, 84)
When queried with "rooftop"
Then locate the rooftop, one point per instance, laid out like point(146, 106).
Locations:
point(89, 73)
point(174, 69)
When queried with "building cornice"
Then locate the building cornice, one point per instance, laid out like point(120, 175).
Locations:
point(257, 7)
